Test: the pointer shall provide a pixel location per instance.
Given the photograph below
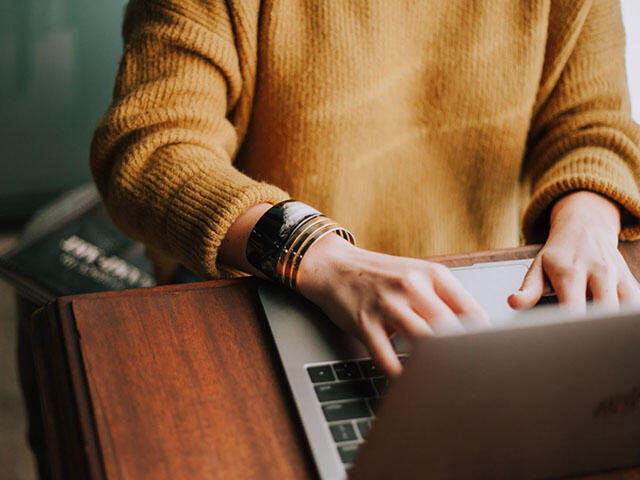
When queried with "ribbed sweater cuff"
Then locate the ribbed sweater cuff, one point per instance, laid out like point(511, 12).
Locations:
point(202, 211)
point(590, 168)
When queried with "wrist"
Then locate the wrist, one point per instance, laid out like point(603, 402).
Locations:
point(587, 208)
point(321, 262)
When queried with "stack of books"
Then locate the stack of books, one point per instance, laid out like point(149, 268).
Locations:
point(71, 246)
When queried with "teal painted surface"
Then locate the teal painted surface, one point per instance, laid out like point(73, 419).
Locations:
point(58, 60)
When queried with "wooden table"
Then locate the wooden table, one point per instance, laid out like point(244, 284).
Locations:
point(179, 382)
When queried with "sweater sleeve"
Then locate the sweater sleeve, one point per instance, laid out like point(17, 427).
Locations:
point(582, 136)
point(162, 154)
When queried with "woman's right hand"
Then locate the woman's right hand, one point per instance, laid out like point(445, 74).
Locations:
point(373, 295)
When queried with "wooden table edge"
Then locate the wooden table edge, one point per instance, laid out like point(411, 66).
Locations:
point(71, 444)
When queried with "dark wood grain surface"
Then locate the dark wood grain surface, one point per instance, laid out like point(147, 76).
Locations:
point(202, 396)
point(180, 382)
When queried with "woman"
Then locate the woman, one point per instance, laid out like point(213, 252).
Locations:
point(425, 128)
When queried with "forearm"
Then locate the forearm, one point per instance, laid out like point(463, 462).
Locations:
point(162, 156)
point(581, 135)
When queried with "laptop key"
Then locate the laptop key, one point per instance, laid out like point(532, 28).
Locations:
point(346, 410)
point(369, 369)
point(343, 432)
point(381, 384)
point(344, 390)
point(347, 370)
point(364, 426)
point(348, 452)
point(322, 373)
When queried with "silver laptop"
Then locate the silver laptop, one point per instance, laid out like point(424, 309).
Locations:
point(516, 401)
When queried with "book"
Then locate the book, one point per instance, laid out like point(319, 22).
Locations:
point(71, 246)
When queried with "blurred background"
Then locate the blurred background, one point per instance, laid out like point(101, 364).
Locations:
point(58, 60)
point(57, 64)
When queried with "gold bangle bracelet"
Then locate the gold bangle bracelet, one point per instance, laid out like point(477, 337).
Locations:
point(296, 257)
point(290, 243)
point(311, 232)
point(282, 236)
point(313, 239)
point(298, 244)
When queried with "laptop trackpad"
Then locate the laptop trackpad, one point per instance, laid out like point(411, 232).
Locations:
point(491, 285)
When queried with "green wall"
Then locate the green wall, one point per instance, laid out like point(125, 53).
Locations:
point(58, 60)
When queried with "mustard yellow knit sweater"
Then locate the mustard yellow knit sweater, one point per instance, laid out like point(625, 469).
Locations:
point(426, 127)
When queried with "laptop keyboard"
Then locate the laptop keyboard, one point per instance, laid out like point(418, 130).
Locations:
point(349, 393)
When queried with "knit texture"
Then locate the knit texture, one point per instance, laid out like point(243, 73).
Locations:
point(424, 127)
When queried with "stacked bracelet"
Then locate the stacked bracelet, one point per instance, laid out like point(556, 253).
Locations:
point(283, 235)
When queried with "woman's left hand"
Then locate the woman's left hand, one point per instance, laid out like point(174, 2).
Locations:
point(580, 257)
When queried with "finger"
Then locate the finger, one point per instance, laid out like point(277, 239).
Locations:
point(409, 323)
point(629, 291)
point(531, 289)
point(628, 288)
point(439, 316)
point(377, 342)
point(604, 290)
point(459, 300)
point(571, 290)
